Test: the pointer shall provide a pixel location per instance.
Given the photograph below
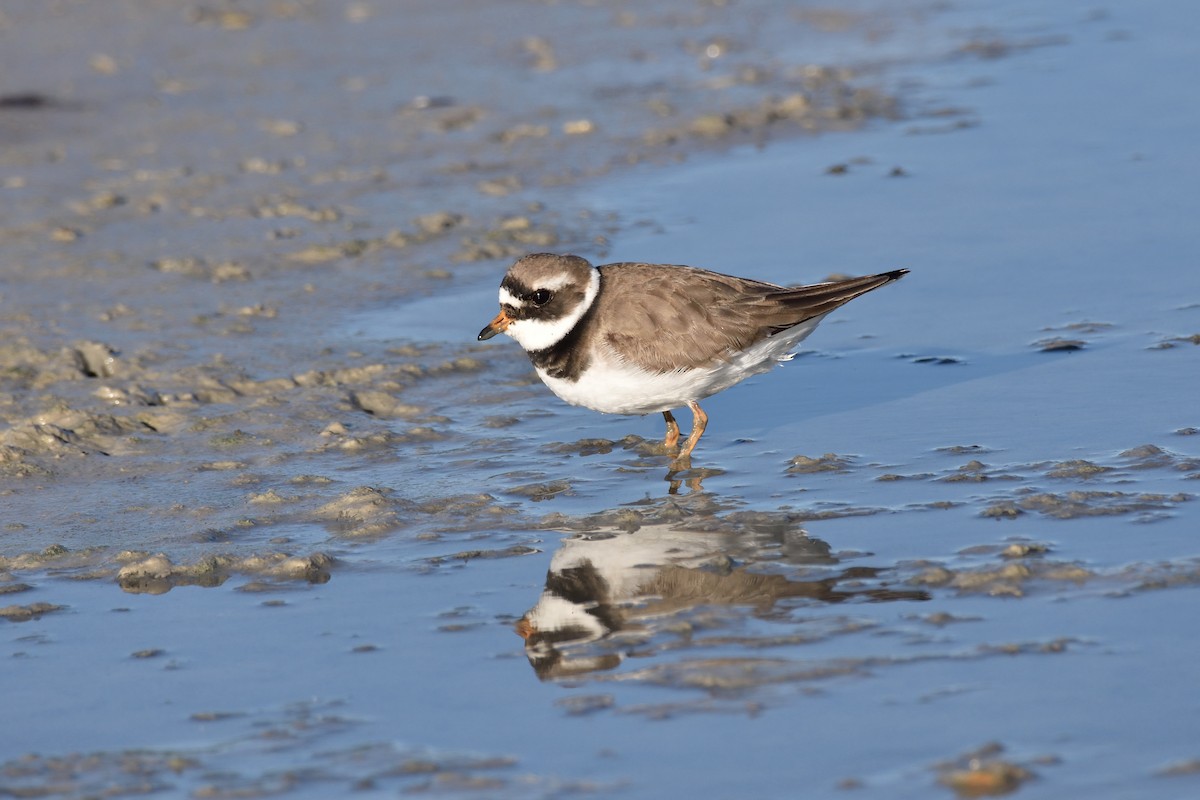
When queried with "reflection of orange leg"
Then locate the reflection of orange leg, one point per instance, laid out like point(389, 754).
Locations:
point(699, 422)
point(672, 437)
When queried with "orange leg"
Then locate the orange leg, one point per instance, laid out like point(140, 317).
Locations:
point(699, 422)
point(672, 437)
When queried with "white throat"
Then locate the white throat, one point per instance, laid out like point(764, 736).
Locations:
point(535, 334)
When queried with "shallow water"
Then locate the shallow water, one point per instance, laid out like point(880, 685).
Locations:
point(994, 571)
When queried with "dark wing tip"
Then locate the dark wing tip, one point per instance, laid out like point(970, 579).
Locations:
point(895, 274)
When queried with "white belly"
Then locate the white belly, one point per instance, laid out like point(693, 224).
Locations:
point(613, 386)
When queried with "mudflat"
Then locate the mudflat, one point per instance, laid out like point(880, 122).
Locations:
point(272, 523)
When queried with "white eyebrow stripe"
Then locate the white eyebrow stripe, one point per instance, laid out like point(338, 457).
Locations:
point(557, 282)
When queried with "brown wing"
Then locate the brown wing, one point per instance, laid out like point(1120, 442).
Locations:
point(663, 318)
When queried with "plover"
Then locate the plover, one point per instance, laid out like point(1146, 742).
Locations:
point(606, 581)
point(636, 338)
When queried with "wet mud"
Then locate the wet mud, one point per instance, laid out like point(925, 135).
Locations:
point(314, 538)
point(146, 361)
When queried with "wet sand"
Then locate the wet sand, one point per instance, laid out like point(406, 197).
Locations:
point(314, 539)
point(203, 193)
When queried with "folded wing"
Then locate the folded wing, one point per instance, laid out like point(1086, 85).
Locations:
point(684, 317)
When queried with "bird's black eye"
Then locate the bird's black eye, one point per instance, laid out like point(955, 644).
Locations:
point(539, 297)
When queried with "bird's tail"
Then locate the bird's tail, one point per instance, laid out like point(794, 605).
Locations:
point(819, 299)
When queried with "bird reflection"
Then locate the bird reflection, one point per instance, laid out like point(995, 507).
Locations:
point(600, 584)
point(681, 473)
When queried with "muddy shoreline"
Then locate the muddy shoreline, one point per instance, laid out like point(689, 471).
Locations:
point(196, 198)
point(275, 524)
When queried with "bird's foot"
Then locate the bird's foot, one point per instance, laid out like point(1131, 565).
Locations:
point(680, 463)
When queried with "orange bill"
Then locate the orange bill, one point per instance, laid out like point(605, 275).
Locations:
point(498, 325)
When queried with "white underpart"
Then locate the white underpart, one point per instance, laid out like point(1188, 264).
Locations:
point(614, 386)
point(626, 562)
point(534, 334)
